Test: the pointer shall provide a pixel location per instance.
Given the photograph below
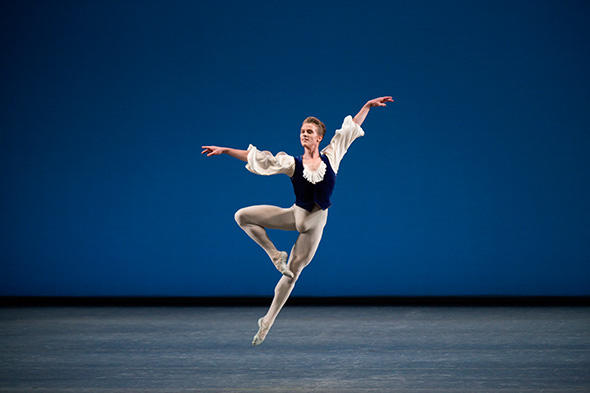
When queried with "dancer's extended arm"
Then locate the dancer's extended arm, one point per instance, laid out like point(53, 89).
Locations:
point(350, 130)
point(360, 117)
point(216, 150)
point(258, 162)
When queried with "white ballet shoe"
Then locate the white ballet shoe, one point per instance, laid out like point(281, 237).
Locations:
point(261, 334)
point(281, 265)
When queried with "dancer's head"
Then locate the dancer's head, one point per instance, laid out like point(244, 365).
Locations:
point(312, 132)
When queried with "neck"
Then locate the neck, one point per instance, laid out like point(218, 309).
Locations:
point(311, 153)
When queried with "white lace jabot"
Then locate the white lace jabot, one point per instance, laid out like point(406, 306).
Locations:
point(314, 176)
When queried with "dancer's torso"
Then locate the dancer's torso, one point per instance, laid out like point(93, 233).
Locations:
point(309, 194)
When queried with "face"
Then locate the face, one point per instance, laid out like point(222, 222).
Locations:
point(309, 135)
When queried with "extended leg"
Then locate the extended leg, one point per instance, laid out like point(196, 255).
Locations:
point(301, 254)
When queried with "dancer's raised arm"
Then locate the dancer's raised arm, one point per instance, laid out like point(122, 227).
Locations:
point(350, 130)
point(380, 101)
point(216, 150)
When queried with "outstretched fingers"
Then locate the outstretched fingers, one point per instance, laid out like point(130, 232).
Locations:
point(380, 101)
point(208, 149)
point(385, 99)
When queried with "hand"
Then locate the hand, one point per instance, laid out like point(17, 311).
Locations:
point(378, 101)
point(213, 150)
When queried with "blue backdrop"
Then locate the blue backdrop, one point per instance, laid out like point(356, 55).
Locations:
point(474, 181)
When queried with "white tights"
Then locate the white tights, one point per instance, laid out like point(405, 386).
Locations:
point(310, 225)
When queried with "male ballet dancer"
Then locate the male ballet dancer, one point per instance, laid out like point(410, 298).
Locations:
point(313, 175)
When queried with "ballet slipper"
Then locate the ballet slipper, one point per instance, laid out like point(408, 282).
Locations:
point(281, 265)
point(261, 334)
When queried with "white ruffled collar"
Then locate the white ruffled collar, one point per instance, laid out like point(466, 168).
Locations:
point(314, 176)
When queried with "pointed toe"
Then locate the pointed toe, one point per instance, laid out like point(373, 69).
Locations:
point(261, 334)
point(281, 265)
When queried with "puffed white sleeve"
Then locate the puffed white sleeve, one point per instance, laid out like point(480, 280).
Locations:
point(341, 141)
point(263, 162)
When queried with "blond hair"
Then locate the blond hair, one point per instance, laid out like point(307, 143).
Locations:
point(317, 122)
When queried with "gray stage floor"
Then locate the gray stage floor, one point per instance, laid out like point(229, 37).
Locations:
point(309, 349)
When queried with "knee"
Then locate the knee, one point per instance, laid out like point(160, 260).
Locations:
point(297, 267)
point(293, 280)
point(296, 275)
point(240, 217)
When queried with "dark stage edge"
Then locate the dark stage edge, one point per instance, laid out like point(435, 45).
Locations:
point(249, 301)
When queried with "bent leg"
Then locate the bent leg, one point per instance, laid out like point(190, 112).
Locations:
point(254, 219)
